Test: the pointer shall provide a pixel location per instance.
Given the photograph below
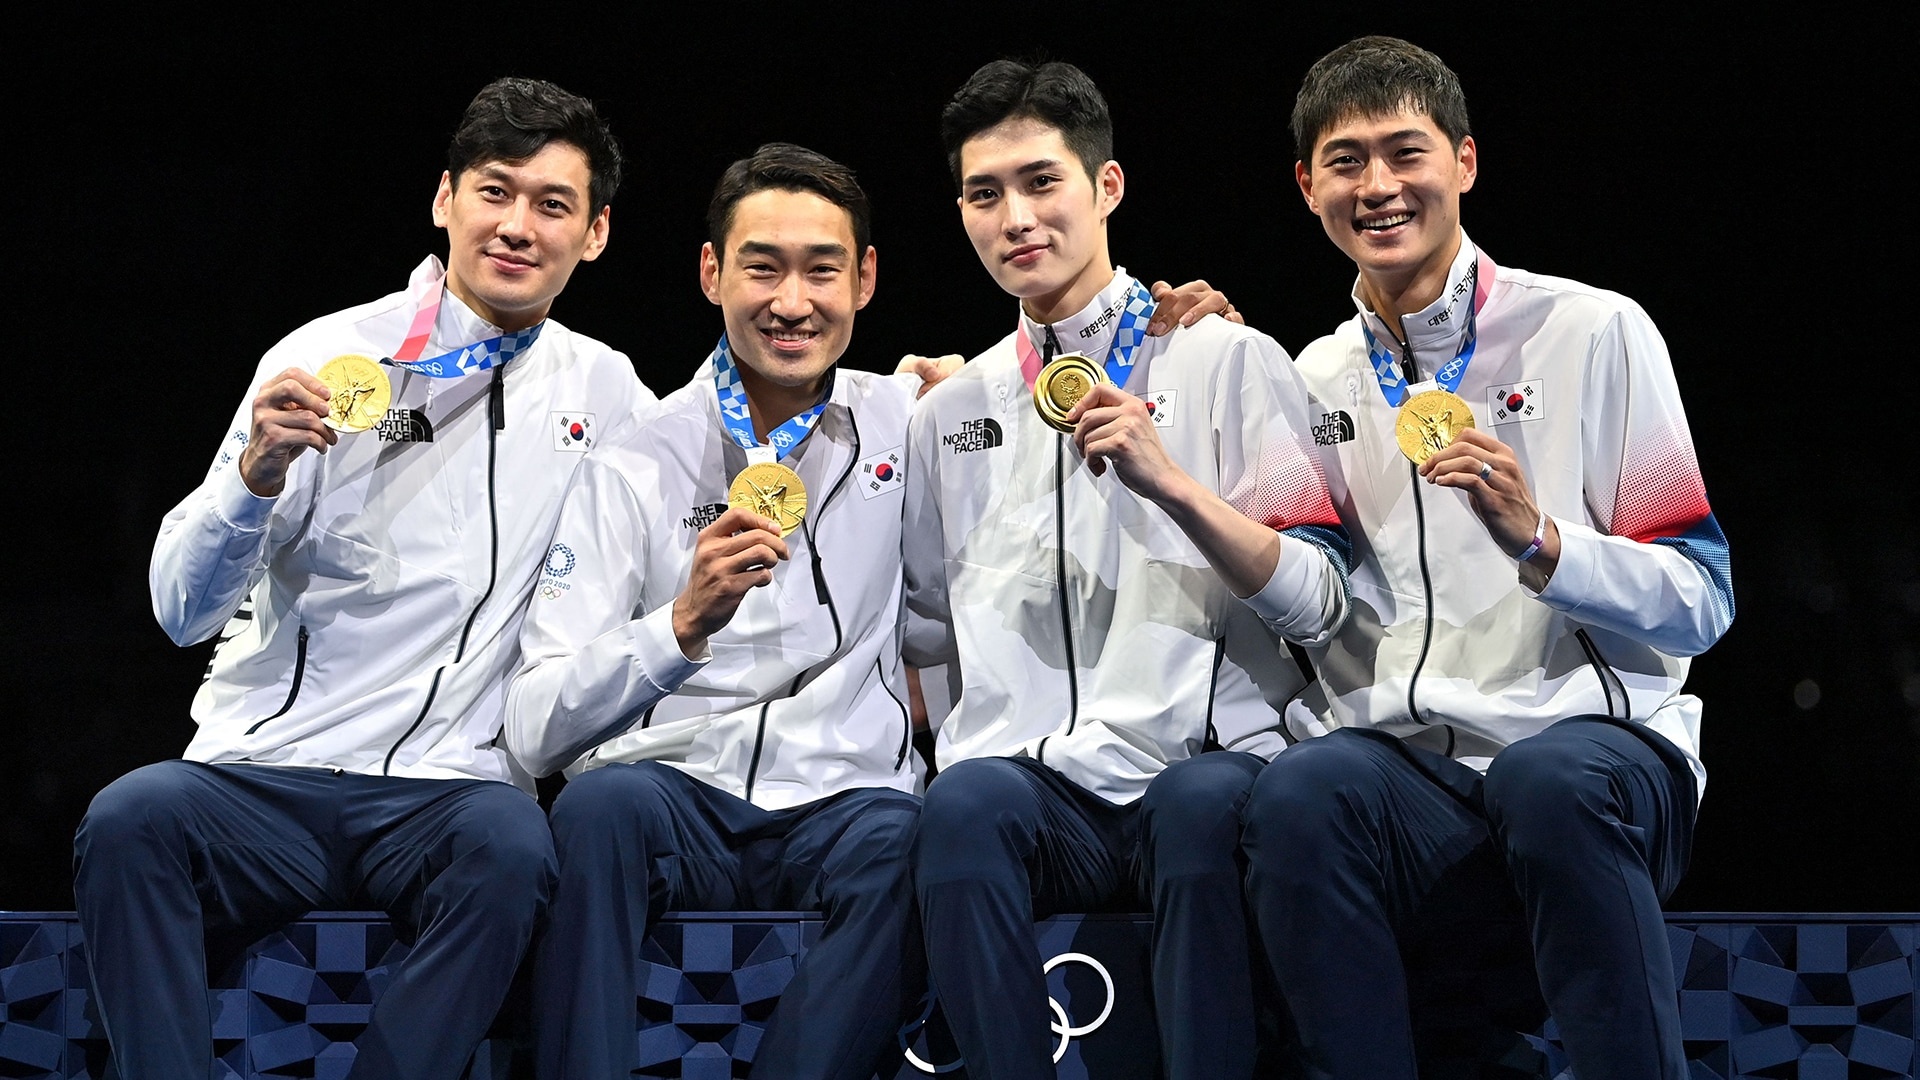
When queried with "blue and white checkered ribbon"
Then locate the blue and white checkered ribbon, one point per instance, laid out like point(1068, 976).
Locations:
point(1394, 385)
point(1131, 332)
point(738, 419)
point(480, 356)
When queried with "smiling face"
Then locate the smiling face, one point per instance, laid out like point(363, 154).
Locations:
point(516, 231)
point(1036, 219)
point(1387, 190)
point(788, 286)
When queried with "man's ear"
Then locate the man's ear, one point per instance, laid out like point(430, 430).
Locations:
point(1303, 176)
point(597, 234)
point(868, 262)
point(1469, 163)
point(710, 272)
point(441, 199)
point(1113, 187)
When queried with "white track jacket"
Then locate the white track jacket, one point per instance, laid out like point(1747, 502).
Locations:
point(371, 610)
point(802, 694)
point(1089, 631)
point(1445, 646)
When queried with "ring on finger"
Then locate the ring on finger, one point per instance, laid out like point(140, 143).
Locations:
point(1486, 470)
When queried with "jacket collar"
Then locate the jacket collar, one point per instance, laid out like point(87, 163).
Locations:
point(1434, 331)
point(1090, 330)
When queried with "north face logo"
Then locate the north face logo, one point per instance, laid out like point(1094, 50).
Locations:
point(981, 434)
point(404, 425)
point(1334, 427)
point(699, 517)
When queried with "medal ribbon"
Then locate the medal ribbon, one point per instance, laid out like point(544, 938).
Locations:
point(480, 356)
point(1393, 384)
point(738, 421)
point(1126, 339)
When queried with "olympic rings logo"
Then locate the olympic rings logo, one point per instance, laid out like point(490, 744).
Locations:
point(1061, 1024)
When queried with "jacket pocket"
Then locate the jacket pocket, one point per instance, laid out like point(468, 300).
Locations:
point(299, 672)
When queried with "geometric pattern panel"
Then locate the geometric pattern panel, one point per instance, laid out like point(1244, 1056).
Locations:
point(1792, 997)
point(1765, 997)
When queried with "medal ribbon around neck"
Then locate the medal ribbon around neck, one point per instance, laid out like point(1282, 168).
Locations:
point(1393, 384)
point(738, 420)
point(1126, 338)
point(480, 356)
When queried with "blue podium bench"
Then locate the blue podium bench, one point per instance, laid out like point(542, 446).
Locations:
point(1782, 997)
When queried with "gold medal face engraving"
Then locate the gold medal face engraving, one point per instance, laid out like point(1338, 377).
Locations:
point(1060, 386)
point(361, 392)
point(1428, 423)
point(773, 491)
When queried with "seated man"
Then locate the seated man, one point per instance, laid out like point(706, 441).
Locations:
point(714, 654)
point(1528, 580)
point(371, 594)
point(1113, 581)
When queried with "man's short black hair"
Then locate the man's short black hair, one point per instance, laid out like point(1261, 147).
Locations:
point(511, 119)
point(1054, 92)
point(786, 167)
point(1372, 77)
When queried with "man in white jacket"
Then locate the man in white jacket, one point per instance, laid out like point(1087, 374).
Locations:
point(1115, 591)
point(722, 683)
point(1534, 560)
point(370, 578)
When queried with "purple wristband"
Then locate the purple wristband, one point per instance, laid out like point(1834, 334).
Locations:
point(1539, 539)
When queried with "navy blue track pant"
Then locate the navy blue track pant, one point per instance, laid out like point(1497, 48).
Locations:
point(1006, 840)
point(638, 840)
point(173, 852)
point(1362, 850)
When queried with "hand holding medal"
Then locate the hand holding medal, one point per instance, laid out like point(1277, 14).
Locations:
point(1496, 487)
point(289, 416)
point(733, 555)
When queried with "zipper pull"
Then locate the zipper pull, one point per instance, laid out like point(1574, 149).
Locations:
point(497, 398)
point(1051, 347)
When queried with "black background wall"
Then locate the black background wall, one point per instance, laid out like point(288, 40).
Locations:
point(181, 190)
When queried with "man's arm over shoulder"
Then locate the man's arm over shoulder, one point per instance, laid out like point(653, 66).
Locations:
point(1271, 472)
point(592, 663)
point(1654, 566)
point(929, 636)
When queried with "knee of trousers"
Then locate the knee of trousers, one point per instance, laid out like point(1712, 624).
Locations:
point(612, 809)
point(506, 849)
point(1190, 814)
point(1306, 801)
point(976, 822)
point(871, 857)
point(135, 815)
point(1542, 792)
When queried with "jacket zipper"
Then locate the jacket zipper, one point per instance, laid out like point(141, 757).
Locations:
point(1603, 669)
point(1412, 375)
point(497, 414)
point(821, 593)
point(906, 719)
point(299, 672)
point(1050, 348)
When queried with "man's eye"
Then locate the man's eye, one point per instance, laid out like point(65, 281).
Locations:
point(1045, 181)
point(979, 195)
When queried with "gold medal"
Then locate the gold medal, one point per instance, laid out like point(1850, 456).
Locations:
point(1061, 385)
point(1428, 422)
point(773, 491)
point(361, 392)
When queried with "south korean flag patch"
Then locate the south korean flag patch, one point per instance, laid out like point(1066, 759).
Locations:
point(572, 431)
point(1517, 402)
point(883, 472)
point(1160, 406)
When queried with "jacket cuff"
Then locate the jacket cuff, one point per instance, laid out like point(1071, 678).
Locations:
point(1573, 577)
point(1292, 594)
point(659, 651)
point(238, 506)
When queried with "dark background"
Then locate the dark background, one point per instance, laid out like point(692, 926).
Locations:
point(189, 189)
